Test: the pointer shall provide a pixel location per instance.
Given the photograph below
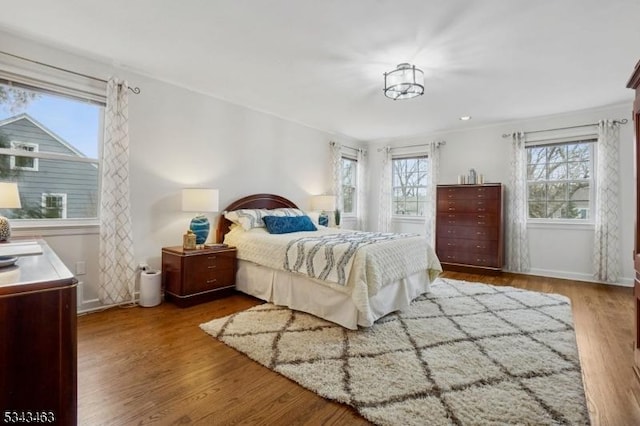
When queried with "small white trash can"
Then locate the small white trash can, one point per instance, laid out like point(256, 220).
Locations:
point(150, 288)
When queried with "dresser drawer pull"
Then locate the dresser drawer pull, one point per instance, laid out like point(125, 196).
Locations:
point(452, 215)
point(211, 257)
point(211, 267)
point(481, 223)
point(211, 281)
point(452, 209)
point(481, 247)
point(481, 233)
point(451, 244)
point(481, 216)
point(480, 260)
point(452, 222)
point(481, 210)
point(451, 231)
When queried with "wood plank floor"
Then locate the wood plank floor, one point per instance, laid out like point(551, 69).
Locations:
point(155, 366)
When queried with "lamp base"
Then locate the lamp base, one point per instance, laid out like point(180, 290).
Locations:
point(200, 226)
point(5, 229)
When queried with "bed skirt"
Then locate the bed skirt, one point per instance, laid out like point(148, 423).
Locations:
point(305, 294)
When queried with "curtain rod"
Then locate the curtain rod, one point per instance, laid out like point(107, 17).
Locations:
point(438, 143)
point(623, 121)
point(135, 90)
point(332, 143)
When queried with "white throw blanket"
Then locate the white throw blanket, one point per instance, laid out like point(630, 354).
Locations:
point(329, 257)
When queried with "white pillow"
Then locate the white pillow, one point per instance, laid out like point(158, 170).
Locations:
point(252, 218)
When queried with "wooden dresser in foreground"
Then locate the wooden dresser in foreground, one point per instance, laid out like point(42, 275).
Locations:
point(634, 83)
point(38, 367)
point(196, 276)
point(469, 227)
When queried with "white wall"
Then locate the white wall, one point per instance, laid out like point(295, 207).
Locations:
point(555, 251)
point(179, 138)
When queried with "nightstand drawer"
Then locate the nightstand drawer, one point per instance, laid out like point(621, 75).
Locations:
point(209, 263)
point(210, 280)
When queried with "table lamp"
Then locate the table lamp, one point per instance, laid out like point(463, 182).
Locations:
point(323, 203)
point(200, 200)
point(9, 199)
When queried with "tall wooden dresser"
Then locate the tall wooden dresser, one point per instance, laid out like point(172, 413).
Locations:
point(469, 227)
point(634, 83)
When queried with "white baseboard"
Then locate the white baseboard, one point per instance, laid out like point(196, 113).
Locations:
point(94, 305)
point(622, 281)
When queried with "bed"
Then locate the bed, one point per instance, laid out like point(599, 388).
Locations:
point(342, 276)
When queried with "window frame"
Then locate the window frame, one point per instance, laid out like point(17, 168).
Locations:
point(62, 195)
point(354, 160)
point(17, 145)
point(77, 91)
point(408, 156)
point(591, 141)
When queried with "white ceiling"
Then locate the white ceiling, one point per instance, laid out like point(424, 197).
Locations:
point(321, 62)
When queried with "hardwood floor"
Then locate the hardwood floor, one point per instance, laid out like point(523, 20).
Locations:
point(155, 365)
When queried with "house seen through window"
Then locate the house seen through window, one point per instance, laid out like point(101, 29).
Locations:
point(409, 180)
point(49, 145)
point(349, 185)
point(560, 180)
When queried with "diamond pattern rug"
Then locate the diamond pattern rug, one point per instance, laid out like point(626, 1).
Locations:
point(465, 353)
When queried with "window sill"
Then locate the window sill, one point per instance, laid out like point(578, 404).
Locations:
point(408, 219)
point(565, 224)
point(29, 228)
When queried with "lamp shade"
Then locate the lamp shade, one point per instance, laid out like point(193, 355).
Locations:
point(9, 196)
point(199, 200)
point(323, 202)
point(405, 82)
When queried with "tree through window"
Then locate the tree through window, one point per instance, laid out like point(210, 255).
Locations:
point(560, 180)
point(409, 182)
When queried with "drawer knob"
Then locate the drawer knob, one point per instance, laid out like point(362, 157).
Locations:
point(211, 257)
point(211, 281)
point(480, 210)
point(211, 267)
point(452, 221)
point(481, 223)
point(480, 233)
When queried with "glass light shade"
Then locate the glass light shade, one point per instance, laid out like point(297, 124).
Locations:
point(9, 196)
point(323, 202)
point(405, 82)
point(199, 200)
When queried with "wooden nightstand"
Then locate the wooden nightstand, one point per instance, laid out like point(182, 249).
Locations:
point(195, 276)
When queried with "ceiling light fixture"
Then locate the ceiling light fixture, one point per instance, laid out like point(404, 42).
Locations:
point(405, 82)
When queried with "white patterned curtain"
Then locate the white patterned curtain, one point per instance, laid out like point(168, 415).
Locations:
point(117, 265)
point(335, 158)
point(606, 247)
point(361, 196)
point(517, 238)
point(384, 207)
point(433, 169)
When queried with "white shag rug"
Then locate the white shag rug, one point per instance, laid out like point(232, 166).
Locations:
point(463, 354)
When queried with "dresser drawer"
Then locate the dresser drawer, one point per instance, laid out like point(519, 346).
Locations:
point(469, 192)
point(469, 246)
point(468, 206)
point(468, 219)
point(474, 259)
point(467, 232)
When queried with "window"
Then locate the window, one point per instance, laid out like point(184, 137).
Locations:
point(560, 180)
point(49, 141)
point(54, 206)
point(409, 192)
point(24, 163)
point(349, 185)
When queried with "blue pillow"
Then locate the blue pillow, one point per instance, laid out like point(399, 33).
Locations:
point(287, 224)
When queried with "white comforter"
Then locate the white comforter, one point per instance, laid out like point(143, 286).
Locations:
point(372, 267)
